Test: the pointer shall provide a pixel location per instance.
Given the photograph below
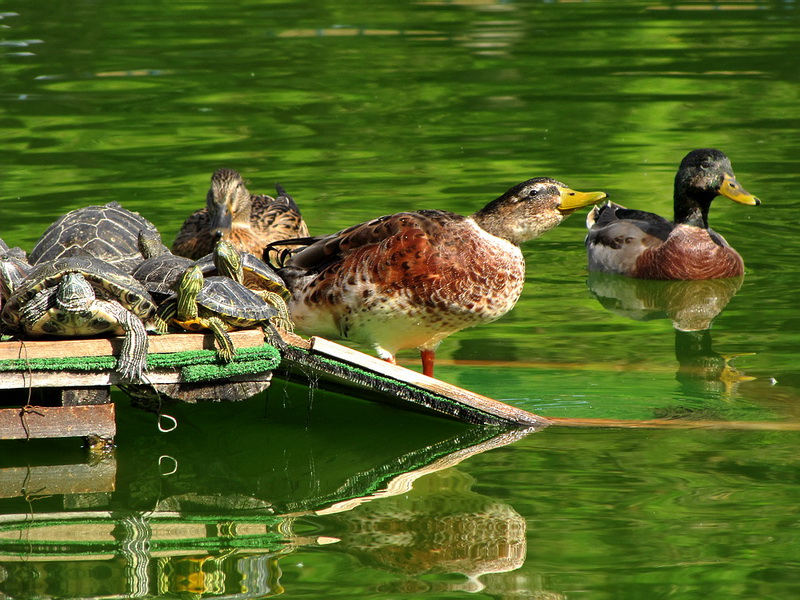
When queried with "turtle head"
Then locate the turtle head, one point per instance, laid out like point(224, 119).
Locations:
point(187, 287)
point(150, 245)
point(74, 294)
point(228, 261)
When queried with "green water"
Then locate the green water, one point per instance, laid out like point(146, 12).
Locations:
point(363, 108)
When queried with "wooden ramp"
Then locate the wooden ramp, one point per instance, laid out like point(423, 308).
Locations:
point(60, 388)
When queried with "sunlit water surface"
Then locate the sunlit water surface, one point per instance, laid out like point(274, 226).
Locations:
point(360, 109)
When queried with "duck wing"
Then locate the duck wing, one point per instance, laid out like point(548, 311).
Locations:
point(395, 234)
point(610, 225)
point(618, 236)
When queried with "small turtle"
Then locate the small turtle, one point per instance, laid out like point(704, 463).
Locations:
point(253, 273)
point(217, 303)
point(13, 270)
point(84, 296)
point(161, 269)
point(109, 232)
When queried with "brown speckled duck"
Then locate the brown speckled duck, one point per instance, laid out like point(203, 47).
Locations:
point(411, 279)
point(644, 245)
point(247, 221)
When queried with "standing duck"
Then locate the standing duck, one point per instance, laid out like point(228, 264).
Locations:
point(247, 221)
point(644, 245)
point(411, 279)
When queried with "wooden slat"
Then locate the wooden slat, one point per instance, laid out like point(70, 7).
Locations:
point(58, 421)
point(174, 342)
point(63, 379)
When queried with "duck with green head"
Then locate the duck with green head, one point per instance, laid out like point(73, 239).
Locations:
point(644, 245)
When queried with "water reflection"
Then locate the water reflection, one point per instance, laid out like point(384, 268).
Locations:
point(441, 526)
point(143, 522)
point(692, 306)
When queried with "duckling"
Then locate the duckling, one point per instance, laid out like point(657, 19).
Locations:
point(247, 221)
point(644, 245)
point(411, 279)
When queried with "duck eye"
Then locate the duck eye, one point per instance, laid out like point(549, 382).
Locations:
point(533, 193)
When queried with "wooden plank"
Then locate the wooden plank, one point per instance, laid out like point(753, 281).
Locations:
point(85, 396)
point(58, 421)
point(174, 342)
point(79, 478)
point(65, 379)
point(461, 400)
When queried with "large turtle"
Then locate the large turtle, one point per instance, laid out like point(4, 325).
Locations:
point(84, 296)
point(217, 303)
point(253, 273)
point(160, 269)
point(109, 232)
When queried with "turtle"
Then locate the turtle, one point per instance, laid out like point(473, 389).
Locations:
point(251, 272)
point(13, 270)
point(108, 231)
point(160, 269)
point(85, 296)
point(217, 303)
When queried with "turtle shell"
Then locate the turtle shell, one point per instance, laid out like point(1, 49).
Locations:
point(258, 275)
point(160, 273)
point(13, 270)
point(108, 281)
point(109, 232)
point(233, 302)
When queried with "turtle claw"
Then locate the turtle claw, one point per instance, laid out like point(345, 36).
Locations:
point(131, 371)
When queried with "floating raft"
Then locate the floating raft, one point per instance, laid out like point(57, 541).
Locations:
point(76, 376)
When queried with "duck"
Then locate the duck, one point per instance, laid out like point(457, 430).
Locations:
point(411, 279)
point(644, 245)
point(247, 221)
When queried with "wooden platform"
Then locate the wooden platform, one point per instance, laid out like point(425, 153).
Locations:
point(78, 402)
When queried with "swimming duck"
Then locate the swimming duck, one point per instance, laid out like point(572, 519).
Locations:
point(247, 221)
point(644, 245)
point(411, 279)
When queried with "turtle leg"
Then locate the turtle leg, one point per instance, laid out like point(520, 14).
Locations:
point(36, 307)
point(276, 301)
point(132, 360)
point(225, 347)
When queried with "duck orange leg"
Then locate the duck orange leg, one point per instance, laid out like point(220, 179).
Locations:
point(428, 356)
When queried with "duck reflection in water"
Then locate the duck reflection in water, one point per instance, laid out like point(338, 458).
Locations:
point(441, 526)
point(692, 306)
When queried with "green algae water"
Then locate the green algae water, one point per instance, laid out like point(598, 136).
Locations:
point(360, 109)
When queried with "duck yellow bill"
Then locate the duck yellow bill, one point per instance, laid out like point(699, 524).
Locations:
point(572, 200)
point(731, 189)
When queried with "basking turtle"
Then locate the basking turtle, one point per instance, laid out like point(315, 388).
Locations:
point(109, 232)
point(13, 270)
point(253, 273)
point(217, 303)
point(161, 269)
point(84, 296)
